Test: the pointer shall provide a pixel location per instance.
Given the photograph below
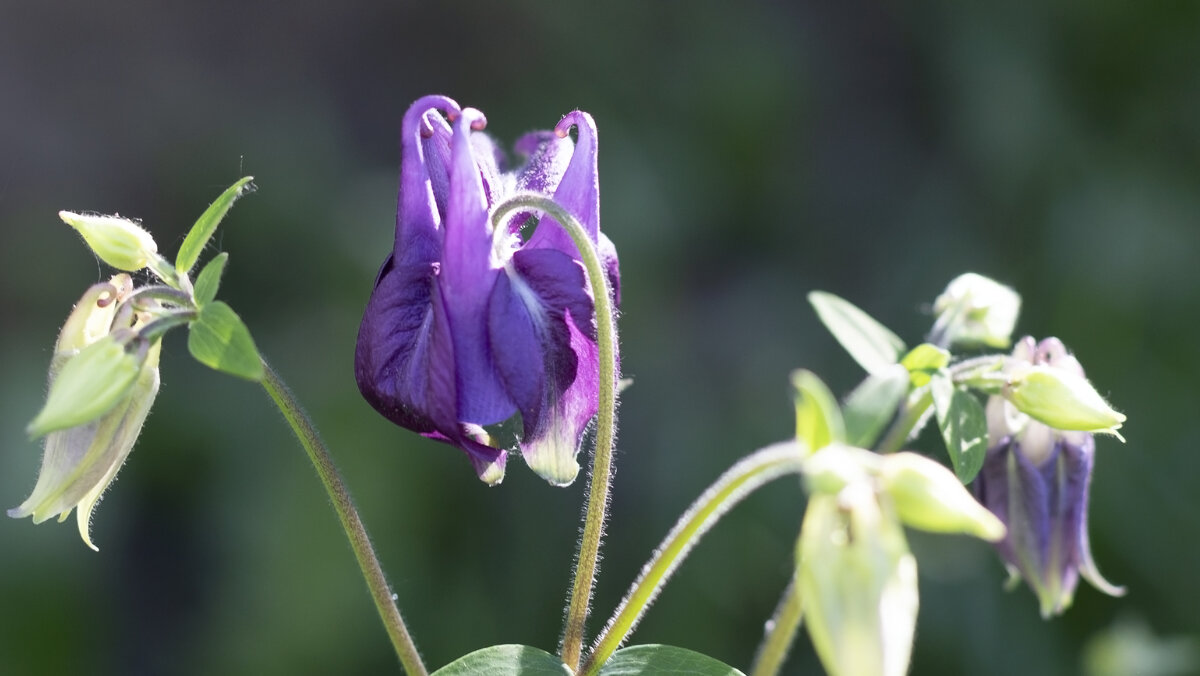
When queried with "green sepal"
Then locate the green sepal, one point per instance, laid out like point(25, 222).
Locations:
point(89, 385)
point(209, 280)
point(505, 659)
point(218, 339)
point(197, 238)
point(818, 420)
point(923, 360)
point(872, 405)
point(871, 344)
point(664, 660)
point(963, 424)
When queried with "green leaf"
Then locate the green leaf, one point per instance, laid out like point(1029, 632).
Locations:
point(818, 420)
point(218, 339)
point(209, 280)
point(197, 238)
point(872, 405)
point(520, 660)
point(964, 426)
point(871, 344)
point(664, 660)
point(923, 360)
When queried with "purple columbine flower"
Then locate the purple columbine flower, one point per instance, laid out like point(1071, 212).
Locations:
point(467, 327)
point(1036, 479)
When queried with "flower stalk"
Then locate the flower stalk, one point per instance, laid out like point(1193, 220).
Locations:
point(364, 552)
point(595, 512)
point(781, 633)
point(745, 477)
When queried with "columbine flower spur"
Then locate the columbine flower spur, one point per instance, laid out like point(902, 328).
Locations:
point(467, 326)
point(1036, 478)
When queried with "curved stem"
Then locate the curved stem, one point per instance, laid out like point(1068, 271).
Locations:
point(749, 474)
point(781, 632)
point(372, 572)
point(910, 415)
point(606, 342)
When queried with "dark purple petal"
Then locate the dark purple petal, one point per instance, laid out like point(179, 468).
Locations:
point(404, 359)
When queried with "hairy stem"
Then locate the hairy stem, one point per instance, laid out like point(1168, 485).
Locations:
point(372, 572)
point(749, 474)
point(781, 632)
point(595, 513)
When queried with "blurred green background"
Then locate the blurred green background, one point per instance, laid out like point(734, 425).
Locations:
point(750, 152)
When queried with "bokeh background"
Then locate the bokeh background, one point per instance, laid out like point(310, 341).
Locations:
point(750, 152)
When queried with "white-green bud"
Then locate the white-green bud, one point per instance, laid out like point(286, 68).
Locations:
point(859, 583)
point(975, 310)
point(929, 497)
point(119, 242)
point(1061, 399)
point(89, 385)
point(80, 462)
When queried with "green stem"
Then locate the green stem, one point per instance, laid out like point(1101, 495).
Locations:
point(739, 481)
point(910, 415)
point(781, 632)
point(372, 572)
point(606, 342)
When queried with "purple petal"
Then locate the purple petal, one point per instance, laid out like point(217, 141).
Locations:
point(422, 180)
point(579, 190)
point(466, 280)
point(547, 364)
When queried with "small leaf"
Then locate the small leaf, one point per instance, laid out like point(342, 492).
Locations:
point(664, 660)
point(871, 344)
point(209, 280)
point(818, 420)
point(218, 339)
point(197, 238)
point(505, 659)
point(964, 426)
point(923, 360)
point(872, 405)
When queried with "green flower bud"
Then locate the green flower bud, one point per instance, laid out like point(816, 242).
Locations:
point(929, 497)
point(89, 384)
point(1061, 399)
point(119, 242)
point(80, 462)
point(859, 583)
point(975, 310)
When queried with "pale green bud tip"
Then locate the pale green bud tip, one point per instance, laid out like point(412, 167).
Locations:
point(928, 496)
point(976, 310)
point(90, 384)
point(1061, 399)
point(117, 241)
point(834, 467)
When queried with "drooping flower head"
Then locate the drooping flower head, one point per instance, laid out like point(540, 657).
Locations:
point(467, 325)
point(1036, 477)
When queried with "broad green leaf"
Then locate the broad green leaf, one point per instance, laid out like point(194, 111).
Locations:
point(664, 660)
point(871, 344)
point(519, 660)
point(923, 360)
point(209, 279)
point(964, 426)
point(218, 339)
point(872, 405)
point(818, 420)
point(197, 238)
